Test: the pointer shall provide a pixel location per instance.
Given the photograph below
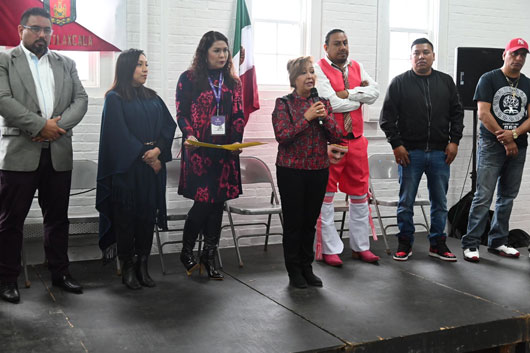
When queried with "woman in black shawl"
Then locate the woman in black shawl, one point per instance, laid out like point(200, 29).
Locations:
point(136, 135)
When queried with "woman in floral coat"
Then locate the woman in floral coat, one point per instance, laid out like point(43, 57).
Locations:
point(303, 125)
point(209, 109)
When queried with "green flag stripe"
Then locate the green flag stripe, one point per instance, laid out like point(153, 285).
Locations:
point(242, 20)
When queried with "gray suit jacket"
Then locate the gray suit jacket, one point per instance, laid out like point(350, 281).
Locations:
point(20, 117)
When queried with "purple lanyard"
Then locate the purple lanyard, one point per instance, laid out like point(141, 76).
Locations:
point(217, 93)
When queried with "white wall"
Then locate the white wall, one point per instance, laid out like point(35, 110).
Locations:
point(479, 23)
point(169, 31)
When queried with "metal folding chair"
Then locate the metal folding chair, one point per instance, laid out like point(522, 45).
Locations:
point(254, 171)
point(384, 167)
point(341, 206)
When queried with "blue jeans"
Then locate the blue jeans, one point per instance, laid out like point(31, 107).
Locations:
point(493, 168)
point(433, 164)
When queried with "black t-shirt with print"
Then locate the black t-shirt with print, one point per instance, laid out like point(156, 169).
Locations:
point(510, 111)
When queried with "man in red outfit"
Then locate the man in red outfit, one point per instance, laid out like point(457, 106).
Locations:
point(347, 86)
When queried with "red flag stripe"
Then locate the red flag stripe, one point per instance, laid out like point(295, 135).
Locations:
point(250, 92)
point(72, 36)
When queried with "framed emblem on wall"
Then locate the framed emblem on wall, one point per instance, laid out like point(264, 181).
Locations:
point(62, 11)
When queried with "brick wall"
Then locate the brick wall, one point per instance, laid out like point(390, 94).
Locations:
point(169, 31)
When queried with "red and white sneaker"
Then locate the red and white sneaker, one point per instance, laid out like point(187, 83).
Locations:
point(404, 250)
point(441, 251)
point(471, 255)
point(505, 250)
point(332, 260)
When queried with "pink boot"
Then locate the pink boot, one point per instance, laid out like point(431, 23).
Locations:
point(332, 260)
point(366, 256)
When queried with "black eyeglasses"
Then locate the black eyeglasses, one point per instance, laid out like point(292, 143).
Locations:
point(37, 29)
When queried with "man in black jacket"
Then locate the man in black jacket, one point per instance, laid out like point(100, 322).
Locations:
point(423, 121)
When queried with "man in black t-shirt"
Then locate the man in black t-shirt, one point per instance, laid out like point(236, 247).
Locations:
point(502, 100)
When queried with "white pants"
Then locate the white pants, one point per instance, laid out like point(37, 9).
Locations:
point(328, 240)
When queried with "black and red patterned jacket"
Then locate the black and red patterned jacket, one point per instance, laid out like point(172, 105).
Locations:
point(302, 144)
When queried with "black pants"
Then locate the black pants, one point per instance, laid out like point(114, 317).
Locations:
point(206, 218)
point(302, 193)
point(133, 236)
point(16, 194)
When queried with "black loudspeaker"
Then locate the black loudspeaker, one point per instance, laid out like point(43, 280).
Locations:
point(470, 64)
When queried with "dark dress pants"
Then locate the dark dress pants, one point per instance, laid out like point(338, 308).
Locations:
point(302, 193)
point(134, 236)
point(16, 195)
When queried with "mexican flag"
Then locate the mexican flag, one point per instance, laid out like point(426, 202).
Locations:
point(246, 71)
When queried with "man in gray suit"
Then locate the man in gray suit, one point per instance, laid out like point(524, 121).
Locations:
point(41, 101)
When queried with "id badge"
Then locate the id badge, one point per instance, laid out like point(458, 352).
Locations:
point(218, 125)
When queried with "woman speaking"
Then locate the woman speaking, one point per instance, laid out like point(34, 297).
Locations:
point(303, 124)
point(208, 110)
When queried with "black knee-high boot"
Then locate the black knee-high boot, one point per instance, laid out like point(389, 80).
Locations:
point(208, 262)
point(142, 274)
point(188, 243)
point(128, 273)
point(212, 233)
point(187, 258)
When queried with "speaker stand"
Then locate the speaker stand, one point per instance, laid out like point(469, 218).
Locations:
point(474, 152)
point(461, 208)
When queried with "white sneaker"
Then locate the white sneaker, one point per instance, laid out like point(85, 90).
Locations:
point(505, 250)
point(471, 255)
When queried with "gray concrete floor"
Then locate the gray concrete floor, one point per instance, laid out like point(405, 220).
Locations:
point(422, 305)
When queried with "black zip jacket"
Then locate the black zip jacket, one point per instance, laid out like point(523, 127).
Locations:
point(422, 112)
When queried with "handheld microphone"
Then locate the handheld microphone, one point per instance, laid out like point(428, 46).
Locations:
point(313, 95)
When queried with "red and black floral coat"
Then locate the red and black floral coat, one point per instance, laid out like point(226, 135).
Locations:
point(207, 174)
point(302, 144)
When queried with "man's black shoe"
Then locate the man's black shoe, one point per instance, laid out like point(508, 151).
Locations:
point(9, 292)
point(297, 280)
point(68, 283)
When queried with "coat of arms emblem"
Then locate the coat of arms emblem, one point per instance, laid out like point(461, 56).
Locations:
point(61, 11)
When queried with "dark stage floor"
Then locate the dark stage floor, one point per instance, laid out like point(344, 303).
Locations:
point(422, 305)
